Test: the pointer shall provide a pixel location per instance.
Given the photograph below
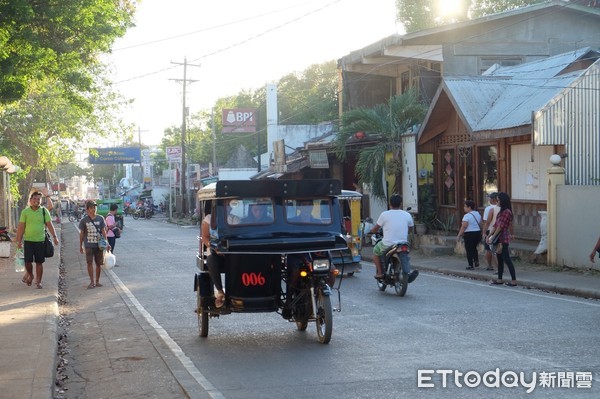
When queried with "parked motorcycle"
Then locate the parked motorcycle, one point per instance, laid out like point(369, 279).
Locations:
point(74, 216)
point(393, 275)
point(4, 234)
point(144, 213)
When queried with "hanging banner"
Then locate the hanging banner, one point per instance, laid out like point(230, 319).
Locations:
point(114, 155)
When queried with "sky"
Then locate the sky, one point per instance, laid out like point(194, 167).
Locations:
point(231, 45)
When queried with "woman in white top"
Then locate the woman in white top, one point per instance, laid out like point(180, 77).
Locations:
point(471, 231)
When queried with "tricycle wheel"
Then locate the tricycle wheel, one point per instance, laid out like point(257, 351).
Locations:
point(202, 316)
point(324, 317)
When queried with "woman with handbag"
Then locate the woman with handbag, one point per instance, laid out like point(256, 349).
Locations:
point(93, 242)
point(33, 222)
point(501, 230)
point(113, 232)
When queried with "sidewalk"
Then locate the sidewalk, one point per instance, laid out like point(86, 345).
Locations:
point(28, 330)
point(585, 284)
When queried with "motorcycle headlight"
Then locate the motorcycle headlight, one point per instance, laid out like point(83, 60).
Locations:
point(320, 265)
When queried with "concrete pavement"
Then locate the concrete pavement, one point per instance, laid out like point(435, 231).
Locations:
point(28, 330)
point(110, 344)
point(580, 283)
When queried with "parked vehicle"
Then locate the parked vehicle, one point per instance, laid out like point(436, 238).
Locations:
point(4, 234)
point(75, 216)
point(348, 260)
point(280, 262)
point(393, 275)
point(104, 207)
point(144, 213)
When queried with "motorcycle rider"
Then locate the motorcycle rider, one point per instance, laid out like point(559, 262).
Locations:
point(395, 223)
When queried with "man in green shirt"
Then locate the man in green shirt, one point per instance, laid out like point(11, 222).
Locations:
point(32, 223)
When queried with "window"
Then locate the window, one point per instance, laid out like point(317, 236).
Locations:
point(405, 81)
point(308, 211)
point(246, 211)
point(488, 172)
point(448, 177)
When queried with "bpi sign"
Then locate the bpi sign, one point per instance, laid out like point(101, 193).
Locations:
point(239, 120)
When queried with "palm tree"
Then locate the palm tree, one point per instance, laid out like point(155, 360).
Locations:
point(384, 124)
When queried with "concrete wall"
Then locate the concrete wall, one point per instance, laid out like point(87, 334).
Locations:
point(577, 225)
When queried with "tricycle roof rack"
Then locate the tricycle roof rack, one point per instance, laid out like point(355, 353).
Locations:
point(270, 188)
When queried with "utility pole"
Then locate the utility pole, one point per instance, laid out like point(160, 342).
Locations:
point(214, 143)
point(141, 165)
point(184, 191)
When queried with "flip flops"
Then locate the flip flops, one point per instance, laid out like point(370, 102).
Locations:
point(219, 300)
point(496, 282)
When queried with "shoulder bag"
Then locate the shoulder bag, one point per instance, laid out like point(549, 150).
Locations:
point(48, 245)
point(102, 243)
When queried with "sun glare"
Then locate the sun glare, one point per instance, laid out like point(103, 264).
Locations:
point(449, 8)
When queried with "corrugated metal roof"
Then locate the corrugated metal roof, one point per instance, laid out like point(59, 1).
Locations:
point(507, 96)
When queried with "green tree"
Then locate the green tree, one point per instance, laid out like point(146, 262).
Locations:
point(417, 15)
point(384, 124)
point(305, 97)
point(52, 92)
point(56, 40)
point(309, 97)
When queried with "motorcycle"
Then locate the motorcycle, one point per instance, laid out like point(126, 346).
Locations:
point(4, 234)
point(144, 213)
point(307, 277)
point(74, 216)
point(393, 274)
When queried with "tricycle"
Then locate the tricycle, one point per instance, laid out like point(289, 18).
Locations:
point(347, 261)
point(272, 240)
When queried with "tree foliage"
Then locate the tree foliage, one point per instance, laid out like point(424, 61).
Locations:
point(417, 15)
point(53, 96)
point(384, 124)
point(56, 40)
point(306, 97)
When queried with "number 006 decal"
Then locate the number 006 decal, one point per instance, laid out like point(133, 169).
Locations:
point(249, 279)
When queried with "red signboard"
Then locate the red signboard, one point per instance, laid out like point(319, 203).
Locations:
point(239, 120)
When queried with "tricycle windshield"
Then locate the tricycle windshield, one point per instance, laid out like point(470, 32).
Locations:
point(249, 211)
point(274, 216)
point(308, 211)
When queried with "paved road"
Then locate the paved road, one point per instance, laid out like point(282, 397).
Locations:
point(141, 339)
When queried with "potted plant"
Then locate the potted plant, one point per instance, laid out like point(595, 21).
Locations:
point(427, 214)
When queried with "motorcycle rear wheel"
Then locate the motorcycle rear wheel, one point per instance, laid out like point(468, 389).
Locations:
point(401, 283)
point(381, 285)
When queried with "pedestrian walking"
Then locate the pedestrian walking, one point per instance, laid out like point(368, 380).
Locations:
point(33, 222)
point(92, 228)
point(470, 230)
point(501, 230)
point(113, 230)
point(490, 213)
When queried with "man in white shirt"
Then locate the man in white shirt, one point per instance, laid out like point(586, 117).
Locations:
point(395, 223)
